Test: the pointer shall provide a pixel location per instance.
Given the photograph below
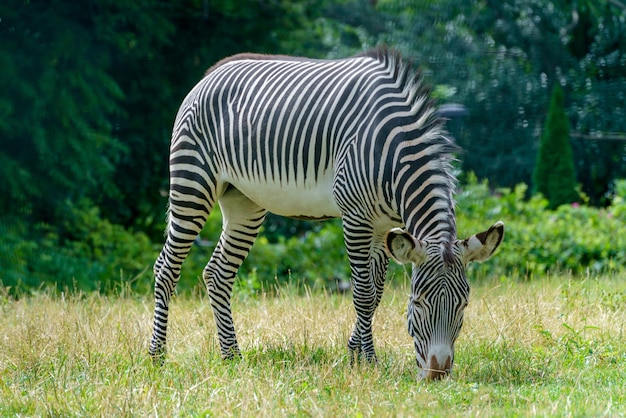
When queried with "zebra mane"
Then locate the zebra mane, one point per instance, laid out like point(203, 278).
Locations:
point(403, 69)
point(441, 146)
point(252, 56)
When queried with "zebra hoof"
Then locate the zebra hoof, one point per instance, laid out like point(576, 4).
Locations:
point(157, 354)
point(370, 356)
point(232, 355)
point(358, 354)
point(355, 355)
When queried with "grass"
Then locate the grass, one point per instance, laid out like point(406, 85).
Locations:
point(554, 346)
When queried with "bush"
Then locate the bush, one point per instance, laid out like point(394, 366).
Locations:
point(84, 253)
point(315, 258)
point(573, 238)
point(89, 253)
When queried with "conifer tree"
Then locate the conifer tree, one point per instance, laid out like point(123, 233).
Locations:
point(554, 175)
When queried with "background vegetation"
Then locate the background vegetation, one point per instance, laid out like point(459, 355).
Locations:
point(89, 94)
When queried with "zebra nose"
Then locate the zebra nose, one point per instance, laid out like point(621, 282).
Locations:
point(439, 363)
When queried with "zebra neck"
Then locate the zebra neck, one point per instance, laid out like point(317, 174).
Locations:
point(435, 226)
point(429, 211)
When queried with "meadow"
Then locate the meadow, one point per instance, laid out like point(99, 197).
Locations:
point(551, 346)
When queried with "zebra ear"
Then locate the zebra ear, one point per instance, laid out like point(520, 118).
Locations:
point(403, 248)
point(481, 246)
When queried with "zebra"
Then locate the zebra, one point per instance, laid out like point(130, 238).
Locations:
point(356, 138)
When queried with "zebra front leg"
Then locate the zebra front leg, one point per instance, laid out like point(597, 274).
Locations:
point(358, 239)
point(361, 343)
point(242, 221)
point(361, 340)
point(379, 262)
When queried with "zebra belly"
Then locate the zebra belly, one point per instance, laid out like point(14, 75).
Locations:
point(291, 200)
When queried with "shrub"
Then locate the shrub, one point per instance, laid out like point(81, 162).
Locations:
point(573, 238)
point(89, 253)
point(554, 175)
point(85, 253)
point(315, 258)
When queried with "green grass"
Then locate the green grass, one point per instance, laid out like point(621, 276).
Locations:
point(554, 346)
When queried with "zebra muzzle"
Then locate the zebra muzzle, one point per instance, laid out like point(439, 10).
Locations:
point(439, 364)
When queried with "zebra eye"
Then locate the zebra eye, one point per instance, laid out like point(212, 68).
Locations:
point(417, 301)
point(418, 306)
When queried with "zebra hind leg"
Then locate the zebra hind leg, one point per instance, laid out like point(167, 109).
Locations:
point(242, 222)
point(183, 227)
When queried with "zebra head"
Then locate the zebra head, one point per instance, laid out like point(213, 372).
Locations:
point(439, 291)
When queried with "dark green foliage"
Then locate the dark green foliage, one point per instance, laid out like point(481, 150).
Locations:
point(90, 93)
point(85, 253)
point(161, 56)
point(56, 110)
point(96, 254)
point(554, 174)
point(572, 238)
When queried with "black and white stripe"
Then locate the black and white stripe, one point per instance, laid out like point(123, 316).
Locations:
point(356, 138)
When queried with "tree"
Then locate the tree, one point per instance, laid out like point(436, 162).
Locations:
point(58, 100)
point(554, 174)
point(156, 66)
point(90, 93)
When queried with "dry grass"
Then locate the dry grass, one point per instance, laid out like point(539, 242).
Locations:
point(554, 346)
